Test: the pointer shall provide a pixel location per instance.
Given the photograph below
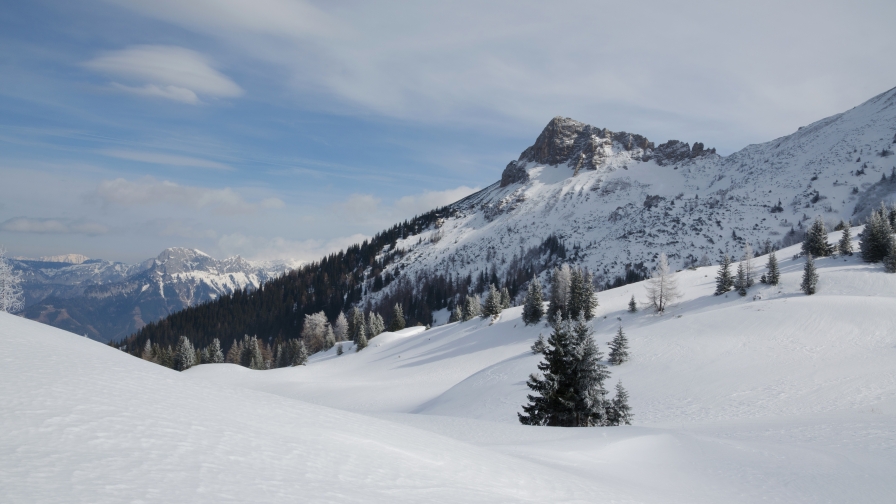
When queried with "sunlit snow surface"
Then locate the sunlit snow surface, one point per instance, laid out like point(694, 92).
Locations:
point(788, 398)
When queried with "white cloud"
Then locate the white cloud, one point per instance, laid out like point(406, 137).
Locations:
point(163, 159)
point(269, 249)
point(368, 209)
point(149, 191)
point(170, 72)
point(53, 226)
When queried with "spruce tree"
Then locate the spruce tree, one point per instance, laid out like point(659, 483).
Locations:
point(375, 325)
point(740, 281)
point(747, 263)
point(774, 275)
point(215, 355)
point(361, 344)
point(632, 305)
point(619, 412)
point(357, 324)
point(619, 348)
point(204, 357)
point(236, 350)
point(810, 276)
point(724, 282)
point(876, 236)
point(506, 301)
point(844, 246)
point(539, 346)
point(558, 304)
point(815, 242)
point(300, 353)
point(329, 338)
point(147, 352)
point(472, 308)
point(492, 306)
point(889, 260)
point(339, 350)
point(533, 308)
point(398, 322)
point(552, 400)
point(457, 315)
point(589, 375)
point(184, 354)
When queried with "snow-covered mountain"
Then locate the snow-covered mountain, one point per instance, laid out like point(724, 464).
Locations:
point(108, 300)
point(772, 397)
point(618, 200)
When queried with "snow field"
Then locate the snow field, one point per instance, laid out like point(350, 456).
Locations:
point(787, 398)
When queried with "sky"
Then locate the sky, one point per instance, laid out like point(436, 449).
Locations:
point(281, 129)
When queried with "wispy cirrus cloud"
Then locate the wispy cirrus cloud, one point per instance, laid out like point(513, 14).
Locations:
point(163, 159)
point(169, 72)
point(53, 226)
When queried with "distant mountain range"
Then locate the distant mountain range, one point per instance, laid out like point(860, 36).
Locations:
point(107, 300)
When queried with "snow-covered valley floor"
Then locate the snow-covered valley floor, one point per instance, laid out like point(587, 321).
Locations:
point(788, 398)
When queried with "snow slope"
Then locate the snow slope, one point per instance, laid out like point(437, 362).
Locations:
point(787, 398)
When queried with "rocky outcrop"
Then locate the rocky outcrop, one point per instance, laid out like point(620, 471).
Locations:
point(580, 146)
point(514, 173)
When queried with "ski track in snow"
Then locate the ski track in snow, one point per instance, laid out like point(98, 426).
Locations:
point(790, 398)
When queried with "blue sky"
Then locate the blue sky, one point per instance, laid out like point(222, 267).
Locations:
point(287, 129)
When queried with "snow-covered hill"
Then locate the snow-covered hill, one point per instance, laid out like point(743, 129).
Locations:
point(773, 397)
point(109, 300)
point(618, 200)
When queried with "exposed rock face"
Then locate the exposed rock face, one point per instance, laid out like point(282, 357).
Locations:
point(578, 145)
point(513, 174)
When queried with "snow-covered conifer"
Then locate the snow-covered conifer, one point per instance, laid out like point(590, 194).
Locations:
point(339, 350)
point(844, 246)
point(740, 281)
point(816, 239)
point(204, 357)
point(889, 260)
point(356, 323)
point(147, 352)
point(398, 322)
point(375, 325)
point(235, 352)
point(340, 328)
point(618, 348)
point(589, 375)
point(215, 355)
point(362, 340)
point(662, 288)
point(747, 261)
point(533, 307)
point(492, 306)
point(184, 354)
point(619, 411)
point(774, 274)
point(506, 301)
point(12, 299)
point(874, 239)
point(472, 308)
point(315, 331)
point(558, 304)
point(457, 315)
point(704, 260)
point(632, 305)
point(552, 400)
point(724, 281)
point(810, 276)
point(329, 338)
point(539, 346)
point(300, 353)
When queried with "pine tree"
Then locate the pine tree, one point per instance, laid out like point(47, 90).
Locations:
point(398, 322)
point(740, 281)
point(457, 315)
point(619, 348)
point(747, 263)
point(300, 353)
point(774, 275)
point(339, 350)
point(619, 411)
point(492, 306)
point(12, 298)
point(540, 345)
point(236, 350)
point(184, 355)
point(357, 324)
point(329, 338)
point(724, 281)
point(340, 329)
point(632, 305)
point(558, 304)
point(472, 307)
point(375, 325)
point(589, 375)
point(361, 344)
point(215, 355)
point(816, 240)
point(810, 276)
point(889, 260)
point(844, 246)
point(506, 301)
point(204, 357)
point(662, 289)
point(533, 308)
point(876, 235)
point(553, 399)
point(582, 300)
point(147, 352)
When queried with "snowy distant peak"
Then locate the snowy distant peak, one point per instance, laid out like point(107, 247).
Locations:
point(581, 146)
point(66, 258)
